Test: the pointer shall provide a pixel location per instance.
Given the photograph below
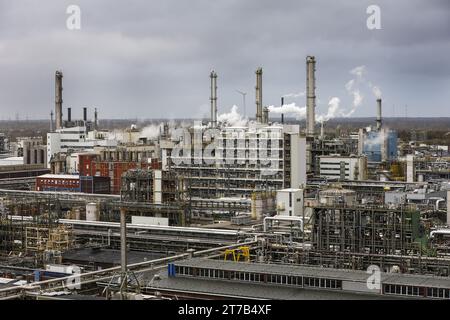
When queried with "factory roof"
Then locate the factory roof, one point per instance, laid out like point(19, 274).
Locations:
point(11, 161)
point(336, 191)
point(59, 176)
point(310, 271)
point(289, 190)
point(255, 291)
point(107, 256)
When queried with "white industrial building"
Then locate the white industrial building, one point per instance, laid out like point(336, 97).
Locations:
point(242, 160)
point(73, 139)
point(290, 202)
point(343, 168)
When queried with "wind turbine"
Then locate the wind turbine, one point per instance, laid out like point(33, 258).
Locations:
point(243, 98)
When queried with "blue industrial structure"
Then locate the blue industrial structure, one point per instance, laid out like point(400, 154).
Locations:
point(375, 142)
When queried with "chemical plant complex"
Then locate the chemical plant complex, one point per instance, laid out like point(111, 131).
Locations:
point(268, 208)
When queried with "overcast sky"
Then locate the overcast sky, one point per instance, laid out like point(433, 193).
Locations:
point(151, 59)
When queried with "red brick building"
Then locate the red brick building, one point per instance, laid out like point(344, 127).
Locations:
point(73, 183)
point(58, 182)
point(92, 165)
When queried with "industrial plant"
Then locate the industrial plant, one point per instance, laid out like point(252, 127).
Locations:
point(269, 208)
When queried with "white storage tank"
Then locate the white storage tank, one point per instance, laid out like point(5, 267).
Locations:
point(92, 213)
point(77, 214)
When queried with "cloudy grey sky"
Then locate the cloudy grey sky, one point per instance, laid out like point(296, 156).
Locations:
point(151, 59)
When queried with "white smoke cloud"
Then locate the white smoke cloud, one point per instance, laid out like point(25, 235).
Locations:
point(333, 110)
point(233, 118)
point(295, 95)
point(116, 134)
point(353, 88)
point(151, 131)
point(291, 108)
point(349, 85)
point(357, 98)
point(375, 90)
point(359, 71)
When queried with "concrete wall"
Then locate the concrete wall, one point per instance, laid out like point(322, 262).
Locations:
point(298, 161)
point(410, 176)
point(290, 202)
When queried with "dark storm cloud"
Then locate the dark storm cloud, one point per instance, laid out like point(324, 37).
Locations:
point(152, 58)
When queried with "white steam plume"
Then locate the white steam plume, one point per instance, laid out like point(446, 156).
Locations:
point(375, 90)
point(333, 110)
point(295, 95)
point(359, 72)
point(233, 118)
point(151, 131)
point(291, 108)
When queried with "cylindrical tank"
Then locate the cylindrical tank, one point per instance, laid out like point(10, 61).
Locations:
point(92, 213)
point(77, 214)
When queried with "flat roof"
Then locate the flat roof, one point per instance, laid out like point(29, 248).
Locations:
point(263, 291)
point(108, 256)
point(59, 176)
point(312, 271)
point(289, 190)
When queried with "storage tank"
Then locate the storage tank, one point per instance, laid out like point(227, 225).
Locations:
point(337, 196)
point(92, 213)
point(77, 214)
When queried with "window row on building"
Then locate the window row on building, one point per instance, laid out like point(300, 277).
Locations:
point(415, 291)
point(259, 277)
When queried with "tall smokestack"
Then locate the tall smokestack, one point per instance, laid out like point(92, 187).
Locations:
point(85, 114)
point(69, 114)
point(51, 121)
point(282, 114)
point(259, 109)
point(58, 99)
point(310, 94)
point(95, 119)
point(213, 98)
point(379, 117)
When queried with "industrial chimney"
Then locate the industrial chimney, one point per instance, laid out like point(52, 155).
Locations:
point(379, 121)
point(85, 114)
point(259, 109)
point(69, 114)
point(95, 119)
point(310, 94)
point(51, 121)
point(58, 99)
point(213, 98)
point(282, 114)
